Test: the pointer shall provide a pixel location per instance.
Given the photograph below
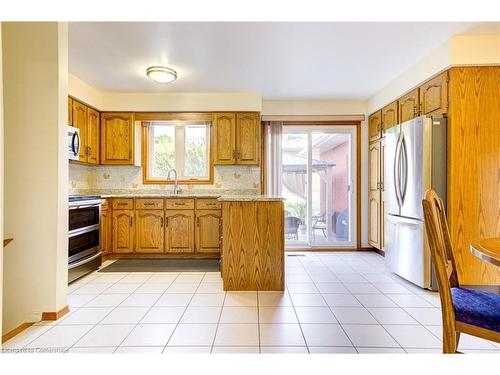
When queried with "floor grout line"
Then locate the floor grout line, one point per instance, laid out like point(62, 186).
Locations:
point(311, 265)
point(179, 322)
point(218, 322)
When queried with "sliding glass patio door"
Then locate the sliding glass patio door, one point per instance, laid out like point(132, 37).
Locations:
point(318, 182)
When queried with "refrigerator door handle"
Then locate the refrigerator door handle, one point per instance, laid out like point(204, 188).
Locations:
point(404, 166)
point(397, 171)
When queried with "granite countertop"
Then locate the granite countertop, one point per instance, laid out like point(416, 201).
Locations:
point(250, 198)
point(164, 195)
point(220, 197)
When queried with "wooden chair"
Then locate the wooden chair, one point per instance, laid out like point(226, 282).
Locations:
point(464, 310)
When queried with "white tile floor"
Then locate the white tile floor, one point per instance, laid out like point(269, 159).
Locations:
point(341, 302)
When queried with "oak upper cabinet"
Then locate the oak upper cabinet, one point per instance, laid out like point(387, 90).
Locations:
point(247, 138)
point(105, 228)
point(208, 225)
point(70, 111)
point(80, 120)
point(149, 231)
point(374, 195)
point(117, 138)
point(409, 106)
point(375, 125)
point(390, 116)
point(225, 138)
point(93, 136)
point(123, 231)
point(237, 138)
point(179, 231)
point(434, 95)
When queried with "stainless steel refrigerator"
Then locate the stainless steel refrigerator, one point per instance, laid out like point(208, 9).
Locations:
point(415, 160)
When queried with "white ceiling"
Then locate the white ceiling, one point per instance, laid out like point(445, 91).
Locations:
point(278, 60)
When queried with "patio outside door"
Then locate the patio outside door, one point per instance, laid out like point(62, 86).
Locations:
point(318, 182)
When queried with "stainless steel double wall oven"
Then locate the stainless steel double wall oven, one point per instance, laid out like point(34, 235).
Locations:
point(84, 253)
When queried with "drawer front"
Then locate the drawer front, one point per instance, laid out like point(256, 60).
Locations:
point(105, 204)
point(149, 204)
point(180, 204)
point(208, 204)
point(123, 204)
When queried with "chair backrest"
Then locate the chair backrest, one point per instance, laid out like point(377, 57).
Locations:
point(292, 222)
point(438, 237)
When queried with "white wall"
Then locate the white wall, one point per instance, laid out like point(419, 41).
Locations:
point(36, 170)
point(475, 50)
point(163, 102)
point(182, 102)
point(83, 91)
point(457, 51)
point(313, 107)
point(437, 60)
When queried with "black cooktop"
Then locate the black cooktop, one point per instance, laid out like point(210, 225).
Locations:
point(76, 198)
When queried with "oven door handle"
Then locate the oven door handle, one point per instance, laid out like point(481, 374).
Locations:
point(85, 260)
point(77, 232)
point(86, 205)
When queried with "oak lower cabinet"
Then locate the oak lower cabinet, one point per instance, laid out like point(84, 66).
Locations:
point(208, 226)
point(179, 231)
point(123, 230)
point(149, 231)
point(163, 228)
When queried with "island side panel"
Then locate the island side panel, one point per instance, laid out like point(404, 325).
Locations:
point(253, 245)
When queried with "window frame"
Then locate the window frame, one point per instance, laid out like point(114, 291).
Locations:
point(146, 120)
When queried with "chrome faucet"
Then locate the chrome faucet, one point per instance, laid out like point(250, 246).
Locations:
point(176, 186)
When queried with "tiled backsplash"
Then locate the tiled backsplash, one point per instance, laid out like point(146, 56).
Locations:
point(84, 179)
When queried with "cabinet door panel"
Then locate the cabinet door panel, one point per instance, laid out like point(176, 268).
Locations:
point(179, 231)
point(117, 138)
point(374, 214)
point(208, 231)
point(247, 138)
point(374, 219)
point(105, 232)
point(80, 121)
point(70, 111)
point(123, 231)
point(382, 192)
point(375, 125)
point(224, 138)
point(94, 135)
point(149, 231)
point(434, 95)
point(390, 116)
point(409, 106)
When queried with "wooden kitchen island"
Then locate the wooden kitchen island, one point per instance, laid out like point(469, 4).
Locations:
point(252, 254)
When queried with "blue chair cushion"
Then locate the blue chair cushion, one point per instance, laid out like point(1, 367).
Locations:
point(477, 308)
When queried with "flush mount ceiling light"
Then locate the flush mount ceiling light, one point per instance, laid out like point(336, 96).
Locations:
point(161, 74)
